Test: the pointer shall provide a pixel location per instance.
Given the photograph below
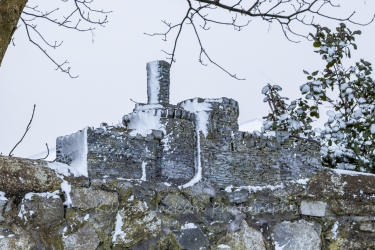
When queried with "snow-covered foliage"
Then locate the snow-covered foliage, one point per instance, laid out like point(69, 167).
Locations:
point(348, 136)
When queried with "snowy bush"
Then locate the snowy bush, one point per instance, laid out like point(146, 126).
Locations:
point(348, 136)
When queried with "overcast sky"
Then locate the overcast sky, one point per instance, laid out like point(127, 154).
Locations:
point(112, 69)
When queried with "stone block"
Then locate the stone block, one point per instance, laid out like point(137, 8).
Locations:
point(85, 198)
point(84, 239)
point(297, 235)
point(246, 238)
point(20, 176)
point(192, 239)
point(313, 208)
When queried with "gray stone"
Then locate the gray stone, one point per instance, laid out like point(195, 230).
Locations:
point(192, 239)
point(2, 205)
point(176, 203)
point(15, 238)
point(367, 227)
point(297, 235)
point(20, 176)
point(84, 239)
point(135, 223)
point(42, 210)
point(158, 134)
point(245, 239)
point(239, 196)
point(85, 198)
point(313, 208)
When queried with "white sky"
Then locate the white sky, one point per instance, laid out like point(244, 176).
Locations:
point(113, 69)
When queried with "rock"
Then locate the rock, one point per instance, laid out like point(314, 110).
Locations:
point(84, 239)
point(44, 210)
point(296, 235)
point(239, 196)
point(344, 235)
point(176, 204)
point(168, 242)
point(327, 184)
point(343, 207)
point(15, 238)
point(85, 198)
point(313, 208)
point(192, 238)
point(135, 223)
point(203, 187)
point(245, 239)
point(2, 205)
point(368, 227)
point(20, 176)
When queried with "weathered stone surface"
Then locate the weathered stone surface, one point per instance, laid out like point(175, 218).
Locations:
point(15, 238)
point(344, 234)
point(245, 239)
point(343, 207)
point(42, 210)
point(368, 227)
point(85, 198)
point(135, 223)
point(192, 239)
point(3, 202)
point(20, 176)
point(297, 235)
point(176, 203)
point(327, 184)
point(313, 208)
point(239, 196)
point(84, 239)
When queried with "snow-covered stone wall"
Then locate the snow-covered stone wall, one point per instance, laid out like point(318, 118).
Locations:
point(332, 209)
point(183, 177)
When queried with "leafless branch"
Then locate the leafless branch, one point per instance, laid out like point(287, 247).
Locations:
point(283, 12)
point(80, 19)
point(47, 153)
point(27, 129)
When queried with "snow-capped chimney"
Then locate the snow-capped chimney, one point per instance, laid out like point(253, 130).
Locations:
point(158, 82)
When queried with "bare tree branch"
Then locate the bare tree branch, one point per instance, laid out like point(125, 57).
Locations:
point(283, 12)
point(47, 153)
point(80, 19)
point(27, 129)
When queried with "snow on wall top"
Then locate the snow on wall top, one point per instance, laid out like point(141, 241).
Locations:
point(153, 85)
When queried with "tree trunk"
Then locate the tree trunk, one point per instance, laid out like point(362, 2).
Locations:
point(10, 12)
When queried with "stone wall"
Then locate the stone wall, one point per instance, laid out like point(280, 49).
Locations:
point(243, 159)
point(331, 210)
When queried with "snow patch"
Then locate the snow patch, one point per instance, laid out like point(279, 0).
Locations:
point(143, 122)
point(222, 246)
point(258, 188)
point(143, 178)
point(74, 146)
point(334, 230)
point(348, 172)
point(87, 217)
point(228, 189)
point(188, 226)
point(118, 228)
point(54, 195)
point(2, 196)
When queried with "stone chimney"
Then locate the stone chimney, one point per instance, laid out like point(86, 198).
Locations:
point(158, 82)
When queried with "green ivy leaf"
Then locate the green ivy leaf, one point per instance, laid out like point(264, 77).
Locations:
point(317, 44)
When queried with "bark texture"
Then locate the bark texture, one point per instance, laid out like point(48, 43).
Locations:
point(10, 12)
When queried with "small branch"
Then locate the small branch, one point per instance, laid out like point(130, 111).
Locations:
point(47, 153)
point(27, 129)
